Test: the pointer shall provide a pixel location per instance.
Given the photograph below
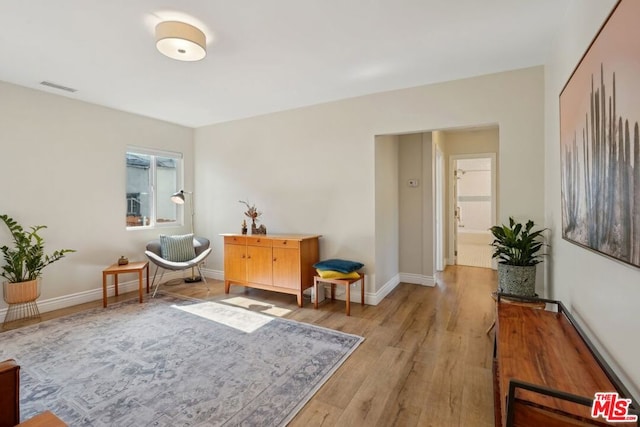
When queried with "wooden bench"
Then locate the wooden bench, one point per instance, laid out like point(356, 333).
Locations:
point(546, 371)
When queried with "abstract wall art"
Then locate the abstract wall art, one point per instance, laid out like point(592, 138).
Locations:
point(600, 141)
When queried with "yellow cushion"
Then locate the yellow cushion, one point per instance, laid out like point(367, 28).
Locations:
point(330, 274)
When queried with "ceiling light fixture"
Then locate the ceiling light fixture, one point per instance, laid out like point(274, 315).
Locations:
point(180, 41)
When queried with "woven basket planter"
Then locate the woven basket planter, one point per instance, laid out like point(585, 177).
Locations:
point(21, 292)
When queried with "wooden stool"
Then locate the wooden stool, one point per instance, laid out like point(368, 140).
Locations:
point(346, 282)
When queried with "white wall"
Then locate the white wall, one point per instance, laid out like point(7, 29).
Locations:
point(62, 164)
point(428, 211)
point(411, 203)
point(604, 294)
point(387, 202)
point(312, 170)
point(416, 206)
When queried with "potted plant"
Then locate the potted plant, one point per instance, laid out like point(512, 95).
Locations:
point(518, 250)
point(24, 262)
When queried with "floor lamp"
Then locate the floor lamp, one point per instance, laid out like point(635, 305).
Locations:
point(178, 198)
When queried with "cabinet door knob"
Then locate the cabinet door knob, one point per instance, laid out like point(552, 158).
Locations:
point(242, 256)
point(258, 240)
point(249, 257)
point(275, 259)
point(284, 243)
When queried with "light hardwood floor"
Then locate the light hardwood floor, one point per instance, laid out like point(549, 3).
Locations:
point(425, 361)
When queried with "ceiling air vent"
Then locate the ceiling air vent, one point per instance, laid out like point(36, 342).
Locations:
point(57, 86)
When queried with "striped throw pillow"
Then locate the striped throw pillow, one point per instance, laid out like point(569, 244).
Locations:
point(177, 248)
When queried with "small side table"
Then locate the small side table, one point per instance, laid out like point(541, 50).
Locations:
point(115, 269)
point(346, 282)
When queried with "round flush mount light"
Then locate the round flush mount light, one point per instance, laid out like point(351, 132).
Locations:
point(180, 41)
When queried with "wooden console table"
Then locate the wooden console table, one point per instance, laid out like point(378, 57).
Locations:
point(281, 263)
point(546, 371)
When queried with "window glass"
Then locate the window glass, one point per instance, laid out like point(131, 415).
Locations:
point(152, 177)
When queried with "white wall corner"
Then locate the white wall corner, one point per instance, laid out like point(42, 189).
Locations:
point(417, 279)
point(213, 274)
point(374, 298)
point(370, 298)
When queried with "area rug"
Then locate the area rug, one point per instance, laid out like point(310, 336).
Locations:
point(168, 362)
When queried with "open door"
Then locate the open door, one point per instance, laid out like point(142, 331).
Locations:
point(474, 208)
point(440, 180)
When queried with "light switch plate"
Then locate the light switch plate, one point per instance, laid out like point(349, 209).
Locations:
point(413, 182)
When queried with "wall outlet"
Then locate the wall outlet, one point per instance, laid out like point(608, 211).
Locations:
point(413, 182)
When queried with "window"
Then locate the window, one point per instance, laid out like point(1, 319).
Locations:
point(152, 177)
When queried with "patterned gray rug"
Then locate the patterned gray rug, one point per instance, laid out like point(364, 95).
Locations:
point(169, 362)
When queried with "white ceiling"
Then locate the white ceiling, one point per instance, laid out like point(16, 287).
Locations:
point(264, 55)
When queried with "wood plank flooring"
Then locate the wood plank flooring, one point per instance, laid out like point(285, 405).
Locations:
point(425, 361)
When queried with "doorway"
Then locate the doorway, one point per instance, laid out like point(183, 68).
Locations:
point(474, 207)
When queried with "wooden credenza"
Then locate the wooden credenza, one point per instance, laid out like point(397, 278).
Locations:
point(546, 371)
point(281, 263)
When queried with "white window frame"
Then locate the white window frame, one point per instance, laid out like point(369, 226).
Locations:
point(153, 223)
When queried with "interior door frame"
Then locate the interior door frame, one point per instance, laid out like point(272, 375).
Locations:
point(453, 229)
point(440, 178)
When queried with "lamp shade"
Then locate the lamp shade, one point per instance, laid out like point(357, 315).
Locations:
point(178, 197)
point(181, 41)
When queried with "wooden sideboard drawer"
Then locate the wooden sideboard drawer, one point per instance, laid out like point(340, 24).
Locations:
point(259, 241)
point(286, 243)
point(235, 240)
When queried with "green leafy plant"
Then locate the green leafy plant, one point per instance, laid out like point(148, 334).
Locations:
point(26, 259)
point(517, 244)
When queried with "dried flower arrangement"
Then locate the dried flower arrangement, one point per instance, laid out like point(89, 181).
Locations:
point(253, 213)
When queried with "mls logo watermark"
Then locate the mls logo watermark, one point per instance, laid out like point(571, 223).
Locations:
point(612, 408)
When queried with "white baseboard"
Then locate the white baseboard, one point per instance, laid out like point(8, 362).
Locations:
point(56, 303)
point(418, 279)
point(370, 298)
point(385, 290)
point(214, 274)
